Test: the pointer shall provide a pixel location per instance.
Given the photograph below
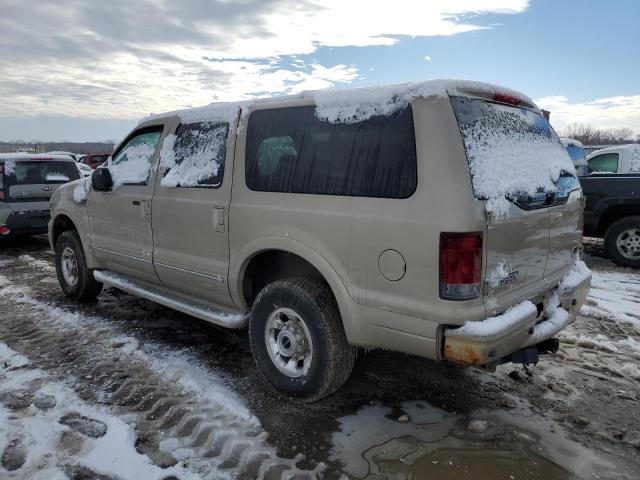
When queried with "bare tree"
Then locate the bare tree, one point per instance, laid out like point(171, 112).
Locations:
point(590, 135)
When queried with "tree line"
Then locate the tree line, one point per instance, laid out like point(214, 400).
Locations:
point(589, 135)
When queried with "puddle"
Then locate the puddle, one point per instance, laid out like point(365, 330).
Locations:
point(434, 444)
point(457, 464)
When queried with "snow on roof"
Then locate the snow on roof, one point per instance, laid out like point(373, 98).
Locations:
point(571, 142)
point(351, 105)
point(631, 147)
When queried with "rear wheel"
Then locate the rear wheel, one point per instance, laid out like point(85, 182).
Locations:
point(75, 279)
point(622, 242)
point(297, 338)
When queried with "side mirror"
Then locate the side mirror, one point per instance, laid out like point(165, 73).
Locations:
point(101, 180)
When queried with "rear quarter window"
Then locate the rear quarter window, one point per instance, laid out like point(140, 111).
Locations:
point(291, 150)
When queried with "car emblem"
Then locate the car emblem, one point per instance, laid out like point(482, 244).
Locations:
point(502, 275)
point(46, 189)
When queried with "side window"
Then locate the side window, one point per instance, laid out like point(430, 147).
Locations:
point(607, 162)
point(196, 158)
point(132, 164)
point(291, 150)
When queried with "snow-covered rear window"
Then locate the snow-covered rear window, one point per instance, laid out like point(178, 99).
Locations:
point(194, 156)
point(511, 150)
point(132, 164)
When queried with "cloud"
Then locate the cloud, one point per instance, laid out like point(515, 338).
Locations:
point(125, 59)
point(611, 112)
point(427, 58)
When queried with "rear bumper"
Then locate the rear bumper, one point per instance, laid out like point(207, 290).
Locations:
point(525, 325)
point(27, 222)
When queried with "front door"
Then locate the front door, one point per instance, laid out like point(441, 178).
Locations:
point(191, 212)
point(120, 219)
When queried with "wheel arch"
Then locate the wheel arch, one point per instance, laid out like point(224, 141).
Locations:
point(64, 221)
point(300, 260)
point(61, 223)
point(616, 212)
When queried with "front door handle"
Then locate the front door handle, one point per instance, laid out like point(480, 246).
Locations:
point(136, 202)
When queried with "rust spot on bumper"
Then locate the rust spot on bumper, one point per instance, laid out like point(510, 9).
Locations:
point(460, 352)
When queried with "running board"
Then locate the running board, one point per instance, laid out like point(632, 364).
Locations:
point(211, 315)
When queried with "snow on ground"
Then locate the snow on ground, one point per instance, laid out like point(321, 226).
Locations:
point(191, 376)
point(37, 263)
point(616, 296)
point(46, 429)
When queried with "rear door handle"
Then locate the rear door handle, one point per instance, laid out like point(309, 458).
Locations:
point(136, 202)
point(218, 219)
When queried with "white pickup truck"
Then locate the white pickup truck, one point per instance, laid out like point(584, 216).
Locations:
point(619, 159)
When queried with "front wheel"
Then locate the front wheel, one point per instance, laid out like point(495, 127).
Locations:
point(75, 279)
point(622, 242)
point(297, 338)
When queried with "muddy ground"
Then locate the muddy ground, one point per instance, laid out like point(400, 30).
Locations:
point(574, 415)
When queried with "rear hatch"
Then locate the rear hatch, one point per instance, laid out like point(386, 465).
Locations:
point(524, 175)
point(34, 180)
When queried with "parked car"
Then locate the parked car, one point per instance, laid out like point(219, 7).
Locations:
point(619, 159)
point(575, 149)
point(354, 222)
point(94, 160)
point(26, 184)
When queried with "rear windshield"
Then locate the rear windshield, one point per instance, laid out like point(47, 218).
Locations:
point(511, 151)
point(38, 172)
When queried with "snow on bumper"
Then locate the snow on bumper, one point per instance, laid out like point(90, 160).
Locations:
point(521, 326)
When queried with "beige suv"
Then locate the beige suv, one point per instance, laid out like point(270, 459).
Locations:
point(441, 219)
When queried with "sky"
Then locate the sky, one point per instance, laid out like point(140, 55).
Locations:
point(87, 70)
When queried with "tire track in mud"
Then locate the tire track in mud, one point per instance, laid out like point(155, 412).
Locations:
point(171, 424)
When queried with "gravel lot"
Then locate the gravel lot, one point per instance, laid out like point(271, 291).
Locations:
point(126, 389)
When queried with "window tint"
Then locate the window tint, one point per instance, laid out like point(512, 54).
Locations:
point(132, 164)
point(607, 162)
point(291, 150)
point(198, 155)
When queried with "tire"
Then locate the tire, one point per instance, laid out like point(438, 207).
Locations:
point(68, 250)
point(622, 242)
point(305, 307)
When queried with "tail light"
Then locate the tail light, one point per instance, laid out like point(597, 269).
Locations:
point(460, 265)
point(4, 230)
point(506, 98)
point(1, 195)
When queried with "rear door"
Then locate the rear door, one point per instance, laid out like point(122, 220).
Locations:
point(120, 219)
point(520, 168)
point(191, 211)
